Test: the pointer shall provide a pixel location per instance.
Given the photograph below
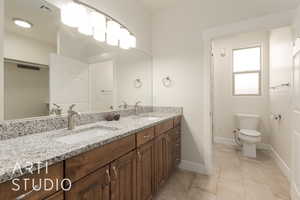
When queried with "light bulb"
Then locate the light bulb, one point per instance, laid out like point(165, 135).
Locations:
point(132, 41)
point(71, 14)
point(99, 35)
point(98, 21)
point(113, 33)
point(124, 39)
point(85, 23)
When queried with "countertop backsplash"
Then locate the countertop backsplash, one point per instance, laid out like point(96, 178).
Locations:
point(15, 128)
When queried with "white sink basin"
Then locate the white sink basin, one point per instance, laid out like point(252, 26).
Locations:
point(147, 117)
point(86, 134)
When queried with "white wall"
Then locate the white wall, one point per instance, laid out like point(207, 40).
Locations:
point(26, 92)
point(18, 47)
point(1, 60)
point(177, 52)
point(128, 68)
point(101, 86)
point(225, 104)
point(69, 83)
point(281, 65)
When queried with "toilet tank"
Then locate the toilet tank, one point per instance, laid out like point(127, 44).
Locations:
point(247, 121)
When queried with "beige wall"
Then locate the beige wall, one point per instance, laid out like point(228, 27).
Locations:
point(26, 92)
point(281, 63)
point(225, 104)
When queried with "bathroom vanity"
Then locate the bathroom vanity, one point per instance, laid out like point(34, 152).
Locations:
point(131, 162)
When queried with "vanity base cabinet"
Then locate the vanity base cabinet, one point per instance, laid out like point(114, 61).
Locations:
point(95, 186)
point(145, 171)
point(124, 177)
point(131, 168)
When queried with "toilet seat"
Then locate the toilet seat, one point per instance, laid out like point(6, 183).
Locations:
point(250, 136)
point(251, 133)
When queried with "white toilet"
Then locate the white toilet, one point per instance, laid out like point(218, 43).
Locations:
point(247, 134)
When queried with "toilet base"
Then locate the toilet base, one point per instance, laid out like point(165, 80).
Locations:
point(249, 150)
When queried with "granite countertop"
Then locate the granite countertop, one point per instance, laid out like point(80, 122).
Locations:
point(44, 148)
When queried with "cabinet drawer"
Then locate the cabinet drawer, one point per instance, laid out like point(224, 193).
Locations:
point(144, 136)
point(54, 175)
point(163, 127)
point(86, 163)
point(177, 121)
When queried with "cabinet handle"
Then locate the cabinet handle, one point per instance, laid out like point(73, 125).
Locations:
point(108, 176)
point(147, 136)
point(115, 171)
point(139, 155)
point(24, 196)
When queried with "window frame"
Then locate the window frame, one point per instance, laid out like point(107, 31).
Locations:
point(259, 72)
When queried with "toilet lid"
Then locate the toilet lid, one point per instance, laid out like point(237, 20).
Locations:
point(248, 132)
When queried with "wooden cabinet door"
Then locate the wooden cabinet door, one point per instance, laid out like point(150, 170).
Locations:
point(145, 171)
point(174, 149)
point(123, 172)
point(56, 196)
point(95, 186)
point(161, 160)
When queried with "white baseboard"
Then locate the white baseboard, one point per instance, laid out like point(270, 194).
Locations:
point(230, 141)
point(281, 163)
point(192, 166)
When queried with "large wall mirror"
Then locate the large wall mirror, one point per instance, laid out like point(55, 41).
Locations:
point(49, 66)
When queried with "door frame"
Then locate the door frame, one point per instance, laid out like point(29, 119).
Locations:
point(264, 23)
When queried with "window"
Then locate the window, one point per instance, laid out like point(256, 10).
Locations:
point(247, 71)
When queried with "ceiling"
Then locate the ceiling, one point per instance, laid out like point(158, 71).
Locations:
point(268, 5)
point(157, 5)
point(45, 23)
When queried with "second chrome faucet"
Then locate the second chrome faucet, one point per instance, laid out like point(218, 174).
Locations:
point(136, 106)
point(71, 117)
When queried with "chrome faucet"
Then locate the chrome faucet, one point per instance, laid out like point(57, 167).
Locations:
point(124, 105)
point(71, 119)
point(57, 110)
point(136, 106)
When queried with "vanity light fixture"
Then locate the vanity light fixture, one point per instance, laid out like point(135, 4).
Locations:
point(22, 23)
point(93, 22)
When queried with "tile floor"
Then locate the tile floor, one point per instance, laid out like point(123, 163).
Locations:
point(235, 178)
